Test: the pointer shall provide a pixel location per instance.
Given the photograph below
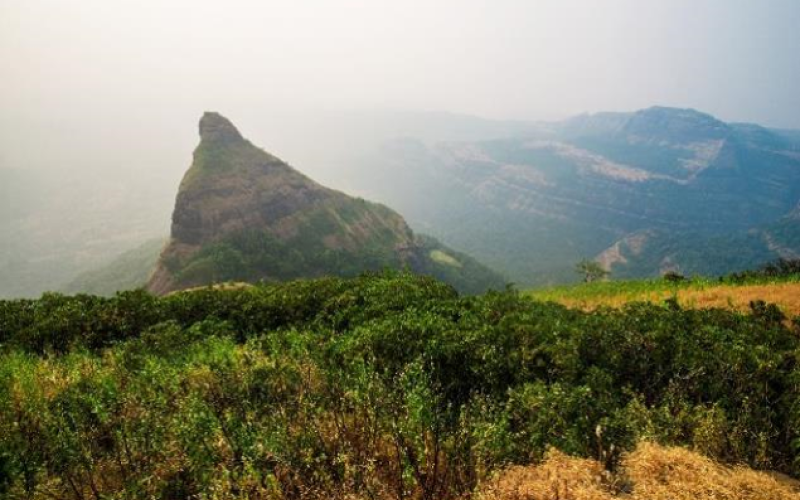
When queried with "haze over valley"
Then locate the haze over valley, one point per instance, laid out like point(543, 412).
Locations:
point(656, 190)
point(523, 134)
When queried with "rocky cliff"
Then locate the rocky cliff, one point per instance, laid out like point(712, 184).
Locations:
point(241, 214)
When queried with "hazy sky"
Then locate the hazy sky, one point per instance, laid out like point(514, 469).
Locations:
point(78, 72)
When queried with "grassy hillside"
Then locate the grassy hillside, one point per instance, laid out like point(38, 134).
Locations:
point(696, 293)
point(251, 256)
point(248, 256)
point(381, 386)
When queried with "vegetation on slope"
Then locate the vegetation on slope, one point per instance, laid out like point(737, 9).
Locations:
point(712, 197)
point(250, 256)
point(127, 272)
point(54, 228)
point(462, 272)
point(776, 283)
point(380, 386)
point(242, 214)
point(695, 254)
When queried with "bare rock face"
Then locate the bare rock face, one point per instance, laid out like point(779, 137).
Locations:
point(215, 128)
point(241, 214)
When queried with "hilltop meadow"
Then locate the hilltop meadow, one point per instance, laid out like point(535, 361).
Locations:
point(776, 283)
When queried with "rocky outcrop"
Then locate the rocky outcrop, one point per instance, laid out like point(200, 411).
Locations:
point(243, 214)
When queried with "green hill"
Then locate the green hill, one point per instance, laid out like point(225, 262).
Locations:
point(242, 214)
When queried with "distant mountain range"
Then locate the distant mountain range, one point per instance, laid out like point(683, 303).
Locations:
point(643, 193)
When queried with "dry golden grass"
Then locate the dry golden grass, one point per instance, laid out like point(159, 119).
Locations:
point(228, 285)
point(559, 477)
point(651, 472)
point(659, 473)
point(785, 295)
point(738, 297)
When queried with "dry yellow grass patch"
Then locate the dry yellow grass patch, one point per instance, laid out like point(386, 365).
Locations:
point(785, 295)
point(659, 473)
point(651, 472)
point(738, 297)
point(228, 285)
point(559, 477)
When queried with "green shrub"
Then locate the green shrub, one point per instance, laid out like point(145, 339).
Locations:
point(385, 385)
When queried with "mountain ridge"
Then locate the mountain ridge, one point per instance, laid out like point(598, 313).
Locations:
point(577, 188)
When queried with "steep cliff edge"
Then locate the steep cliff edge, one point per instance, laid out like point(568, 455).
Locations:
point(241, 214)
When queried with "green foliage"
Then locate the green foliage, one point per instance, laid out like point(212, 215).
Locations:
point(250, 256)
point(590, 270)
point(673, 277)
point(460, 270)
point(779, 269)
point(383, 385)
point(254, 255)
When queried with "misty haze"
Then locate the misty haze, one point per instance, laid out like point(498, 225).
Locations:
point(372, 249)
point(100, 105)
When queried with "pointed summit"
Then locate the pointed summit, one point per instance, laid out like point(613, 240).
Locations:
point(217, 129)
point(242, 214)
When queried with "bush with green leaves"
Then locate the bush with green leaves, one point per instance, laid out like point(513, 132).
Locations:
point(385, 385)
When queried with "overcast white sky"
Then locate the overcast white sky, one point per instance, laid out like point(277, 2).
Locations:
point(131, 70)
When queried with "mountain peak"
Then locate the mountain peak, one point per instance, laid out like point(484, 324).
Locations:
point(216, 128)
point(676, 124)
point(242, 214)
point(682, 114)
point(657, 123)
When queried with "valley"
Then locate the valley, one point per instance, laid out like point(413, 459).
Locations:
point(693, 193)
